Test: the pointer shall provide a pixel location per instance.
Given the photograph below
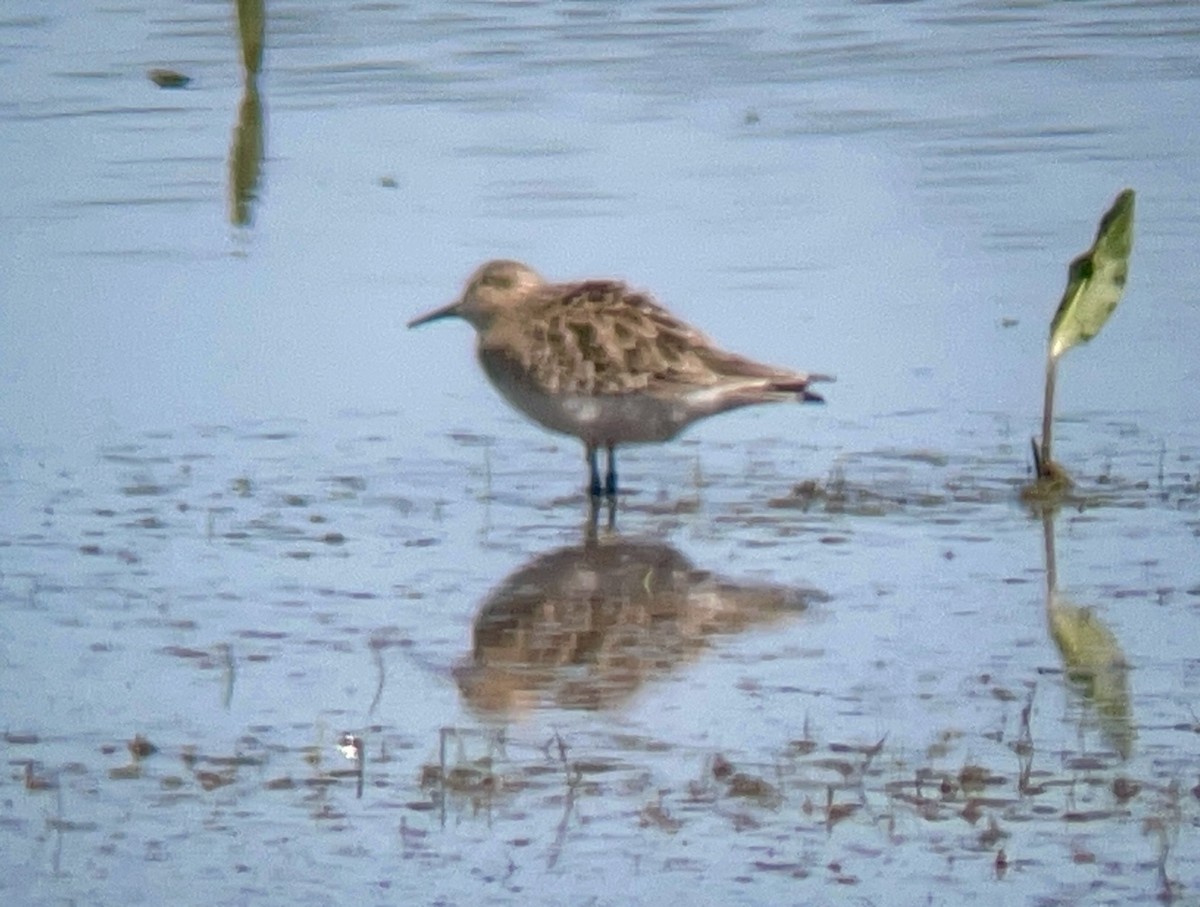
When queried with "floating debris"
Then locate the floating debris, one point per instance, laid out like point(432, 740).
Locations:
point(168, 78)
point(140, 747)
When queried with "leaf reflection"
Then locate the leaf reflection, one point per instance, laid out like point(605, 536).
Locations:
point(247, 148)
point(1091, 656)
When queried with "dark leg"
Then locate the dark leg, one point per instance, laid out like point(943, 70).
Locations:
point(610, 480)
point(609, 504)
point(594, 487)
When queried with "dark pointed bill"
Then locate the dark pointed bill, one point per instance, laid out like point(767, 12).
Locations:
point(446, 311)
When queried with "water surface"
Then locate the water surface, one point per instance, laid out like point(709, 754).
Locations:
point(815, 653)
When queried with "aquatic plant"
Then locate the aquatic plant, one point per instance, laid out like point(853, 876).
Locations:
point(1095, 282)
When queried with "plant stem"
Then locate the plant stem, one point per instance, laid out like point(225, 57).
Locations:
point(1048, 416)
point(1051, 562)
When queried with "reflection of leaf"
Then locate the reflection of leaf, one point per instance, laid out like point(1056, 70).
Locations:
point(1094, 662)
point(246, 153)
point(246, 157)
point(252, 24)
point(1095, 280)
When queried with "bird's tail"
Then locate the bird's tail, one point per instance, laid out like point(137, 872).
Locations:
point(799, 385)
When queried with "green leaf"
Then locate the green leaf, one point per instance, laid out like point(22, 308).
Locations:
point(1095, 280)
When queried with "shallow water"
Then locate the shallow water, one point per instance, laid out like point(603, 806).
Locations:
point(814, 653)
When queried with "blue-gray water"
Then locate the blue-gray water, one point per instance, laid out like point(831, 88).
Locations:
point(243, 511)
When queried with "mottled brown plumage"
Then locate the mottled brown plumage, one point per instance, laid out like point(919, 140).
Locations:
point(603, 362)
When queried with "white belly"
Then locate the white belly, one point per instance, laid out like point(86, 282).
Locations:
point(600, 420)
point(629, 418)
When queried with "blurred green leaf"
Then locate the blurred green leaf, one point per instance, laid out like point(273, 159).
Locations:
point(1095, 280)
point(1096, 665)
point(246, 157)
point(252, 26)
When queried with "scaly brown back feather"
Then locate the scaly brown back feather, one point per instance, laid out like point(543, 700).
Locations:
point(600, 337)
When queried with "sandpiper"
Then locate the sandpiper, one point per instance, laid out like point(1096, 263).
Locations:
point(605, 363)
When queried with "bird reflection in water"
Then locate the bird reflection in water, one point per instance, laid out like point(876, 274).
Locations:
point(1091, 656)
point(586, 626)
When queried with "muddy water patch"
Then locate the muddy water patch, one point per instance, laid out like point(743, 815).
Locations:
point(542, 805)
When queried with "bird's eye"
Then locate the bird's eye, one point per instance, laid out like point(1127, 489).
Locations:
point(499, 281)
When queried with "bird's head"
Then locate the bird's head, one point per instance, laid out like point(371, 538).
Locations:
point(493, 289)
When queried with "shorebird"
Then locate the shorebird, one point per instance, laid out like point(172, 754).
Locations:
point(605, 363)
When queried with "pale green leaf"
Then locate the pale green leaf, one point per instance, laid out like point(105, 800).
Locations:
point(1095, 280)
